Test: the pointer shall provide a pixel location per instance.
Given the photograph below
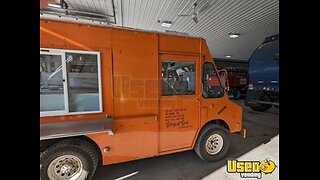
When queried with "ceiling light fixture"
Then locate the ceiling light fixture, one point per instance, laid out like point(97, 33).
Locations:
point(234, 35)
point(54, 5)
point(166, 23)
point(228, 56)
point(176, 32)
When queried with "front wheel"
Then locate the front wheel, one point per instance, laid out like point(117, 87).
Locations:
point(68, 160)
point(212, 143)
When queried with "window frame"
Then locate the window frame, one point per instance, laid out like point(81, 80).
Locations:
point(62, 52)
point(65, 89)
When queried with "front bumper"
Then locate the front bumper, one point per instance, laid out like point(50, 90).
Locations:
point(243, 132)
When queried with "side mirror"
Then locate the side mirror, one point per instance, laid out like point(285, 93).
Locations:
point(224, 79)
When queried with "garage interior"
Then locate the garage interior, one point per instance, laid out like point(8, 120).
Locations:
point(233, 30)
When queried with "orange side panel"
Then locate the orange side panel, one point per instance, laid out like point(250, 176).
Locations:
point(135, 69)
point(224, 109)
point(64, 35)
point(134, 138)
point(179, 44)
point(44, 3)
point(177, 134)
point(206, 51)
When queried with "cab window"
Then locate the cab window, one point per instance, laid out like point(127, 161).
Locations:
point(210, 82)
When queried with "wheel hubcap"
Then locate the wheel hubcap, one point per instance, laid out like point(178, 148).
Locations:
point(214, 144)
point(65, 167)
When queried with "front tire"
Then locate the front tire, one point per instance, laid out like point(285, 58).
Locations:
point(212, 143)
point(72, 159)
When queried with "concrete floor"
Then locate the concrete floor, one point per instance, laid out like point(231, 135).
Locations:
point(261, 128)
point(269, 150)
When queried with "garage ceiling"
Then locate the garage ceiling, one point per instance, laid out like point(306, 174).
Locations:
point(252, 19)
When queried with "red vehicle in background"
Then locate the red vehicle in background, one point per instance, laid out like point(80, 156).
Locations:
point(238, 82)
point(238, 77)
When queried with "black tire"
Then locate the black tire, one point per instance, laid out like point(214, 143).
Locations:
point(205, 133)
point(73, 148)
point(261, 107)
point(236, 94)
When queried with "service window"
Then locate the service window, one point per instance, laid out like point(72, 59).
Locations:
point(211, 84)
point(178, 78)
point(70, 82)
point(51, 83)
point(83, 82)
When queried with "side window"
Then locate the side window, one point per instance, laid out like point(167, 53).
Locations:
point(51, 83)
point(83, 84)
point(178, 78)
point(211, 85)
point(69, 82)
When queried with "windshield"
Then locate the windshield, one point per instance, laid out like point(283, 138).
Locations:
point(211, 84)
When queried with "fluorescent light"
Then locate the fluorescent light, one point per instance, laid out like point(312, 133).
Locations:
point(234, 35)
point(54, 5)
point(228, 56)
point(166, 23)
point(176, 32)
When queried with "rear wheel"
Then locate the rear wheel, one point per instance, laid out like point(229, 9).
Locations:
point(69, 159)
point(212, 143)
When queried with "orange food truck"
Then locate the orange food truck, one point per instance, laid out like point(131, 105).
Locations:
point(110, 95)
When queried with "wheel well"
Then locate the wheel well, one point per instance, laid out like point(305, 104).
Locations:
point(44, 144)
point(218, 122)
